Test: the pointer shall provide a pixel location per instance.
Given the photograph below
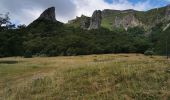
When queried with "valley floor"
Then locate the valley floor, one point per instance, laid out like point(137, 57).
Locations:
point(93, 77)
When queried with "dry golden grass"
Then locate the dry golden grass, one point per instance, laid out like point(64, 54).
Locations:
point(100, 77)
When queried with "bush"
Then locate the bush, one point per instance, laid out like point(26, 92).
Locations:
point(71, 52)
point(1, 55)
point(149, 53)
point(28, 54)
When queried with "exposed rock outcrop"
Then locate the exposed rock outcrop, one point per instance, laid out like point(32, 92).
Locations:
point(48, 14)
point(96, 19)
point(118, 22)
point(85, 22)
point(82, 22)
point(126, 22)
point(166, 27)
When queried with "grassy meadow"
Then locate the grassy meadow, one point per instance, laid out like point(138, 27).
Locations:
point(93, 77)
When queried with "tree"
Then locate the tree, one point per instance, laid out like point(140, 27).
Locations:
point(136, 31)
point(4, 20)
point(21, 26)
point(148, 53)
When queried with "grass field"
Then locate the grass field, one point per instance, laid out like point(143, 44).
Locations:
point(93, 77)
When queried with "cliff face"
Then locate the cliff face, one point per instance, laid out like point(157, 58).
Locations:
point(126, 22)
point(85, 22)
point(96, 19)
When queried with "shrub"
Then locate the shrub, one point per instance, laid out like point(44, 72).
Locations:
point(27, 54)
point(148, 53)
point(1, 55)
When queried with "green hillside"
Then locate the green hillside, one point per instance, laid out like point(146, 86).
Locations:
point(76, 23)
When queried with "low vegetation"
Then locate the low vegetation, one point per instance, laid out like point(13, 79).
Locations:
point(93, 77)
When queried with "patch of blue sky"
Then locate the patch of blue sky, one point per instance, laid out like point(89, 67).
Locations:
point(156, 3)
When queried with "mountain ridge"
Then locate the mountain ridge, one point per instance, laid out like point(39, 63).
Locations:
point(125, 19)
point(113, 19)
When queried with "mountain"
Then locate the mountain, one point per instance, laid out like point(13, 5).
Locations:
point(125, 19)
point(46, 22)
point(109, 19)
point(107, 31)
point(48, 14)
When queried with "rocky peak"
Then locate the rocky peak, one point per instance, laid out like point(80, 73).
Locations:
point(48, 14)
point(47, 19)
point(96, 19)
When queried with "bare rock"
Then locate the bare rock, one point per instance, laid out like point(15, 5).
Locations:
point(118, 22)
point(96, 19)
point(48, 14)
point(130, 21)
point(85, 22)
point(126, 21)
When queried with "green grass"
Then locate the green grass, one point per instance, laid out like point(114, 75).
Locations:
point(94, 77)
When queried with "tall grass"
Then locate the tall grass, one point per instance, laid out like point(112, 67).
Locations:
point(95, 77)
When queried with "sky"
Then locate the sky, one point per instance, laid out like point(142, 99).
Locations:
point(26, 11)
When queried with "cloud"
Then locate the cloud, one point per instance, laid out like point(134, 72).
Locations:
point(25, 11)
point(88, 6)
